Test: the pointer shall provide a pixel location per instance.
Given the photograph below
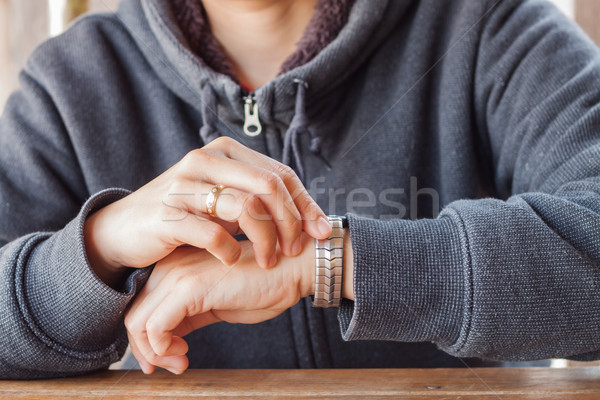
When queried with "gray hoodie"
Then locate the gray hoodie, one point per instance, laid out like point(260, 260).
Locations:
point(487, 111)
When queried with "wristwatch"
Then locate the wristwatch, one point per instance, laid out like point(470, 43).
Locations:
point(329, 262)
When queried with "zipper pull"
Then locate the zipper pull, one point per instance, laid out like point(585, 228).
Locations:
point(252, 126)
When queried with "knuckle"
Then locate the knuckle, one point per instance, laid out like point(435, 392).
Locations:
point(271, 182)
point(196, 304)
point(217, 236)
point(151, 358)
point(129, 323)
point(188, 288)
point(253, 209)
point(269, 241)
point(223, 142)
point(307, 206)
point(251, 203)
point(183, 282)
point(175, 278)
point(285, 172)
point(171, 211)
point(195, 159)
point(302, 196)
point(189, 291)
point(173, 198)
point(294, 225)
point(152, 325)
point(290, 222)
point(291, 216)
point(177, 186)
point(191, 159)
point(133, 326)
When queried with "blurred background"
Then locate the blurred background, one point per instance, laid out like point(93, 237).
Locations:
point(26, 23)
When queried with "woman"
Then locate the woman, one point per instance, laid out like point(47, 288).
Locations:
point(114, 155)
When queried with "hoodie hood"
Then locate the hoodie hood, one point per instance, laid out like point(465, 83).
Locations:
point(154, 27)
point(275, 117)
point(328, 19)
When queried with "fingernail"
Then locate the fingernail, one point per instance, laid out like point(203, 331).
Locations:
point(297, 247)
point(145, 369)
point(273, 260)
point(323, 226)
point(175, 371)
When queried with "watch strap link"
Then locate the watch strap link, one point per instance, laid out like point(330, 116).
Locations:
point(330, 266)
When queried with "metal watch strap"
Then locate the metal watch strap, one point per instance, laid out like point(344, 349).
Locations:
point(329, 266)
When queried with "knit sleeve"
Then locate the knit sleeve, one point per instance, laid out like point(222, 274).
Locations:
point(515, 277)
point(56, 317)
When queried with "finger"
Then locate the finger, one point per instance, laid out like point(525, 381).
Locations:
point(139, 340)
point(242, 211)
point(178, 347)
point(146, 367)
point(196, 322)
point(253, 220)
point(166, 317)
point(315, 222)
point(169, 320)
point(246, 210)
point(177, 364)
point(205, 234)
point(137, 317)
point(251, 179)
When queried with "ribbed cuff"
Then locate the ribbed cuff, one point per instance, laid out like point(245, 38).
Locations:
point(409, 281)
point(65, 304)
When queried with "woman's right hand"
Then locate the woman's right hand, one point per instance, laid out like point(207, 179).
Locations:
point(263, 199)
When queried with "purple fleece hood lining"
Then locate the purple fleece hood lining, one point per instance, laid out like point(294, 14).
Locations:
point(328, 20)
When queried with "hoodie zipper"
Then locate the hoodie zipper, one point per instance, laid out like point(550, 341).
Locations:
point(252, 126)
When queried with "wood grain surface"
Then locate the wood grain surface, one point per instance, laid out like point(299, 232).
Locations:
point(483, 383)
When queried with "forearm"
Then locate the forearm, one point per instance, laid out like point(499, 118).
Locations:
point(59, 318)
point(493, 279)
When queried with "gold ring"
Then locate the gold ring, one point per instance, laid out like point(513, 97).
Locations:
point(211, 200)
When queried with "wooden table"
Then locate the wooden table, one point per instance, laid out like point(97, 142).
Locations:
point(485, 383)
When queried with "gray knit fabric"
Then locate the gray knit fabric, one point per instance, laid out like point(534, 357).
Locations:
point(491, 108)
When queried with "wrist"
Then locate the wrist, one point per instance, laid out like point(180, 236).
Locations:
point(348, 277)
point(306, 266)
point(107, 270)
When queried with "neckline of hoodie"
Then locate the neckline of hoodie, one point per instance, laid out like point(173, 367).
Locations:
point(278, 95)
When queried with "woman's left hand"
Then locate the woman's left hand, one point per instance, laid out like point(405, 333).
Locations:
point(190, 289)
